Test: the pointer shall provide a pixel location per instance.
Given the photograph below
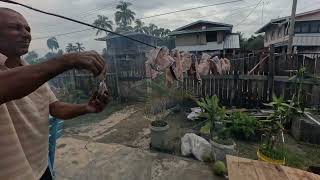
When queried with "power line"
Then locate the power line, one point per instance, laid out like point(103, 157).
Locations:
point(174, 11)
point(76, 21)
point(249, 14)
point(182, 10)
point(62, 34)
point(232, 10)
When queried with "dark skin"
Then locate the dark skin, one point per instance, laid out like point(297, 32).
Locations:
point(19, 81)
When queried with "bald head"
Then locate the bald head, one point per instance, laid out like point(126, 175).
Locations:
point(6, 11)
point(14, 33)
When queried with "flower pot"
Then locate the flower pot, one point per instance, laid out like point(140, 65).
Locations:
point(264, 158)
point(219, 151)
point(159, 131)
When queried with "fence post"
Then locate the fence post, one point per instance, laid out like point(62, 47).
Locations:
point(116, 73)
point(271, 72)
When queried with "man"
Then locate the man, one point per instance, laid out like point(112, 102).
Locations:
point(26, 100)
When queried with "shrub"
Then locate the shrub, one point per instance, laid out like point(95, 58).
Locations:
point(219, 168)
point(243, 126)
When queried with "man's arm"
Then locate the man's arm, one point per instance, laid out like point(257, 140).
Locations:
point(66, 111)
point(21, 81)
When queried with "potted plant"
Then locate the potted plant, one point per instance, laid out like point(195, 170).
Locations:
point(272, 148)
point(159, 131)
point(220, 139)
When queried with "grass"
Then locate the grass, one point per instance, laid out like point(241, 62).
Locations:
point(297, 155)
point(94, 118)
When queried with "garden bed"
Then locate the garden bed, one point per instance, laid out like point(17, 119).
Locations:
point(296, 154)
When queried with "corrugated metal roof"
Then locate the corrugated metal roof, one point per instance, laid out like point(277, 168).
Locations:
point(306, 39)
point(200, 30)
point(202, 21)
point(210, 46)
point(303, 39)
point(232, 42)
point(286, 18)
point(111, 36)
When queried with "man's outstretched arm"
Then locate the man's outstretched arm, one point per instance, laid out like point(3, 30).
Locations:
point(21, 81)
point(66, 111)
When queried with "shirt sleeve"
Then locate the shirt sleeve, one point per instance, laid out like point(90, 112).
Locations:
point(50, 94)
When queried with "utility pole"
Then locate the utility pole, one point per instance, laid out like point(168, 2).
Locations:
point(291, 28)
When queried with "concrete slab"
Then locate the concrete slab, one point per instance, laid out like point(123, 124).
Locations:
point(98, 161)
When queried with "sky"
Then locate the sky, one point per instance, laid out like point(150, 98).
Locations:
point(246, 16)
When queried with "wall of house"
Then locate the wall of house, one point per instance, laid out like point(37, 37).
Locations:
point(309, 17)
point(191, 39)
point(276, 34)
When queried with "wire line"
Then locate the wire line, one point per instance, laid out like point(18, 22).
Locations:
point(76, 21)
point(182, 10)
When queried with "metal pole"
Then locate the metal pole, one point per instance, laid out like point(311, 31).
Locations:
point(291, 28)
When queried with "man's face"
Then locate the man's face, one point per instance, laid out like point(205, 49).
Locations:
point(15, 34)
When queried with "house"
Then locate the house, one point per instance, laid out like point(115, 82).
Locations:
point(128, 54)
point(306, 33)
point(206, 36)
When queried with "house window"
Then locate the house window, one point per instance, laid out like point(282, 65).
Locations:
point(211, 36)
point(272, 35)
point(279, 33)
point(297, 28)
point(305, 28)
point(314, 27)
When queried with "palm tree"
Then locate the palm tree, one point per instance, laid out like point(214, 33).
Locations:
point(79, 47)
point(52, 43)
point(124, 16)
point(103, 22)
point(138, 26)
point(70, 48)
point(151, 29)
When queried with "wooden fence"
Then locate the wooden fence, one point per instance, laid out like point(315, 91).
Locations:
point(241, 86)
point(246, 88)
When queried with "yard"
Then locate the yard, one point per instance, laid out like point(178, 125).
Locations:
point(128, 125)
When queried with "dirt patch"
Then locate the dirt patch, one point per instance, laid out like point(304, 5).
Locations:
point(97, 130)
point(128, 131)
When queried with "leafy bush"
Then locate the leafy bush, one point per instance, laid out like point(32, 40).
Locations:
point(242, 125)
point(212, 111)
point(219, 168)
point(274, 153)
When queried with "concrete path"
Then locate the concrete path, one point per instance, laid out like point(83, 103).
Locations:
point(79, 160)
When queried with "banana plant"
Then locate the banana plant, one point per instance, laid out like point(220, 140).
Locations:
point(273, 126)
point(212, 111)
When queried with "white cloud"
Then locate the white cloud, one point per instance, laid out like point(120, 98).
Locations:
point(86, 10)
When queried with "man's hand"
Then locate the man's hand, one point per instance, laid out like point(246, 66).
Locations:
point(97, 102)
point(89, 60)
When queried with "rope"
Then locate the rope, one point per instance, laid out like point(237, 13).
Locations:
point(76, 21)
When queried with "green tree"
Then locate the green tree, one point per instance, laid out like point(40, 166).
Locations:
point(255, 42)
point(103, 22)
point(79, 47)
point(124, 16)
point(52, 43)
point(252, 43)
point(151, 29)
point(70, 48)
point(32, 57)
point(139, 26)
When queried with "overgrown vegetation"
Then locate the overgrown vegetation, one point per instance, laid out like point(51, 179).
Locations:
point(160, 98)
point(273, 141)
point(243, 126)
point(215, 114)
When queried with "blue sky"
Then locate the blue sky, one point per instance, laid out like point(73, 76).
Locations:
point(87, 10)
